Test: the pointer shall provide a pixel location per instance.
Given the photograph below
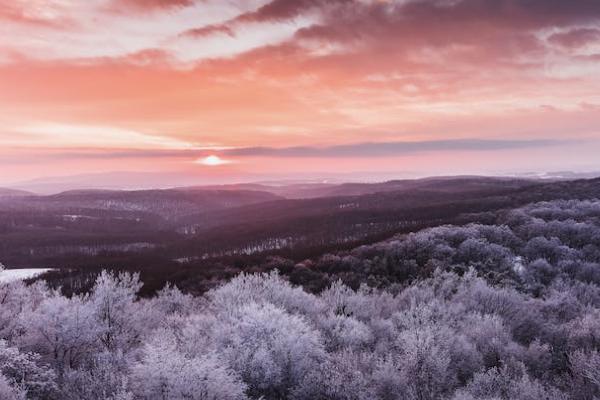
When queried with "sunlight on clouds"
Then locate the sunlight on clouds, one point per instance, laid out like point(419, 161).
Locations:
point(90, 38)
point(247, 37)
point(63, 135)
point(43, 10)
point(213, 161)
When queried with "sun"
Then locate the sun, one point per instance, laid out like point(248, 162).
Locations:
point(212, 161)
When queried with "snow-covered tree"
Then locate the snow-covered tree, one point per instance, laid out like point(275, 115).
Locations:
point(10, 391)
point(119, 317)
point(63, 331)
point(271, 349)
point(166, 373)
point(27, 374)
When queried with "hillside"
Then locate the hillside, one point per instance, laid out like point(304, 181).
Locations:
point(4, 192)
point(195, 234)
point(167, 204)
point(318, 190)
point(185, 230)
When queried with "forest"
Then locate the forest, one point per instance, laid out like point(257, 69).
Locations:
point(507, 307)
point(196, 237)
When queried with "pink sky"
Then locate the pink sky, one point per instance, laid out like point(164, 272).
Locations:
point(288, 87)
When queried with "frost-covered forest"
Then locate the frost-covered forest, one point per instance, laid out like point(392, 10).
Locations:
point(509, 309)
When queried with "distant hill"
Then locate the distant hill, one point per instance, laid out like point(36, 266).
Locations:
point(289, 191)
point(351, 199)
point(117, 180)
point(168, 228)
point(168, 203)
point(320, 190)
point(334, 221)
point(4, 192)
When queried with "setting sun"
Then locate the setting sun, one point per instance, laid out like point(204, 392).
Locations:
point(213, 161)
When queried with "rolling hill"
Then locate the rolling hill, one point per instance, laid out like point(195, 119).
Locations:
point(167, 229)
point(4, 192)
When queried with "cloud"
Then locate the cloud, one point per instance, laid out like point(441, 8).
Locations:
point(357, 150)
point(440, 23)
point(576, 38)
point(209, 30)
point(55, 135)
point(281, 10)
point(149, 5)
point(390, 148)
point(272, 12)
point(348, 19)
point(40, 13)
point(435, 43)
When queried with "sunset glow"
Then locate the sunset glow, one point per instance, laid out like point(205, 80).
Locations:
point(213, 161)
point(364, 88)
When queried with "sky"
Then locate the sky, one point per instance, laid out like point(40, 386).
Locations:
point(238, 90)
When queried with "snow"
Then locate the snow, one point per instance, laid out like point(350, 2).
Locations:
point(518, 266)
point(12, 275)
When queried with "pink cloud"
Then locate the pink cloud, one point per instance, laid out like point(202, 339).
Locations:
point(576, 38)
point(209, 30)
point(46, 14)
point(278, 10)
point(146, 5)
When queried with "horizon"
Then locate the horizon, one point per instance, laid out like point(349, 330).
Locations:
point(222, 92)
point(120, 181)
